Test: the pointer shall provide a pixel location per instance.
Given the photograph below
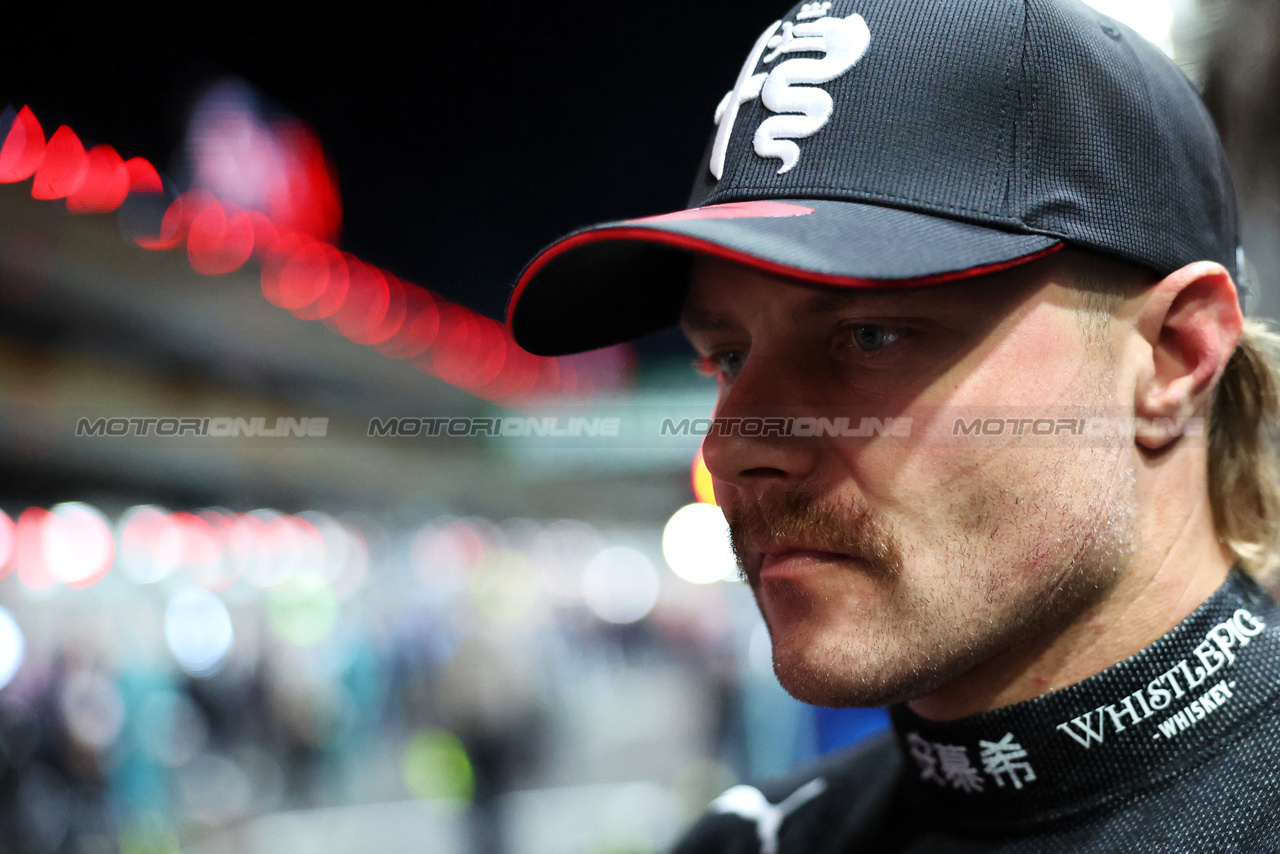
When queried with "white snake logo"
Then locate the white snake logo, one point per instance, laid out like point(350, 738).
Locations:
point(790, 88)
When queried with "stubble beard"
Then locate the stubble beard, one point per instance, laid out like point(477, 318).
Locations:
point(911, 638)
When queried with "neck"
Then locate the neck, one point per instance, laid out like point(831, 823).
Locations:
point(1178, 563)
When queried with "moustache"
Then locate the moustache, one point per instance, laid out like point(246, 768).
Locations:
point(850, 528)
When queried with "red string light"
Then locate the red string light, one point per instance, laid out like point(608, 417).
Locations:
point(301, 270)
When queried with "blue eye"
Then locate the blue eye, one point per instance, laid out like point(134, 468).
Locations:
point(871, 337)
point(722, 366)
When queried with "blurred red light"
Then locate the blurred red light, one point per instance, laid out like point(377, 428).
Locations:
point(366, 303)
point(307, 201)
point(143, 177)
point(64, 166)
point(8, 534)
point(456, 357)
point(266, 239)
point(274, 261)
point(517, 377)
point(177, 220)
point(29, 549)
point(335, 292)
point(105, 185)
point(311, 279)
point(420, 328)
point(383, 330)
point(235, 548)
point(304, 277)
point(493, 350)
point(23, 148)
point(201, 551)
point(218, 243)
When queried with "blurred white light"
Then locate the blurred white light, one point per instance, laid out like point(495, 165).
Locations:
point(197, 627)
point(234, 153)
point(77, 543)
point(225, 557)
point(276, 548)
point(354, 559)
point(150, 544)
point(342, 554)
point(620, 585)
point(12, 647)
point(1151, 19)
point(560, 552)
point(695, 543)
point(92, 709)
point(444, 552)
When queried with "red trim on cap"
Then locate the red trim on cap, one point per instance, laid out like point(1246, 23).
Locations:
point(684, 241)
point(732, 210)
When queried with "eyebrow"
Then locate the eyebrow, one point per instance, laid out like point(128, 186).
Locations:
point(823, 303)
point(698, 320)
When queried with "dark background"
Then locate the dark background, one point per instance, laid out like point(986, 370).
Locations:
point(465, 137)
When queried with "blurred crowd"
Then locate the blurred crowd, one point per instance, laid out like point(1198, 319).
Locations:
point(227, 666)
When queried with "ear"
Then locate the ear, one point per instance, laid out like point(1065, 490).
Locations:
point(1192, 322)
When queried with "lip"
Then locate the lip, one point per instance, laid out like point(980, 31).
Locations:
point(794, 562)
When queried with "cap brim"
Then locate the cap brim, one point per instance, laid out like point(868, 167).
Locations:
point(619, 281)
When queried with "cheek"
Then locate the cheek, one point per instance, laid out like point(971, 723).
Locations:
point(952, 499)
point(1044, 362)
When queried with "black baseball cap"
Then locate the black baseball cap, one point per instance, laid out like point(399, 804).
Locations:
point(905, 143)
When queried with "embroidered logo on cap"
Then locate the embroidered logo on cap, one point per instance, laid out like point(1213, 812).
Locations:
point(790, 89)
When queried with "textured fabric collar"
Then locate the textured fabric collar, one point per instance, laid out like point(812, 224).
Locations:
point(1147, 719)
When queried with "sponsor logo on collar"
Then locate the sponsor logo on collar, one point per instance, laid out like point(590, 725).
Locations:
point(949, 766)
point(1182, 681)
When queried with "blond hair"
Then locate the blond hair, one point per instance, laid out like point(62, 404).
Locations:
point(1244, 461)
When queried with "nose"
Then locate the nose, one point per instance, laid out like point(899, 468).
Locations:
point(752, 445)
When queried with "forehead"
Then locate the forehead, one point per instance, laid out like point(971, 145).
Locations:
point(723, 296)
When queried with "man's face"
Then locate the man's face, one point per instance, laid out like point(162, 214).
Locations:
point(886, 566)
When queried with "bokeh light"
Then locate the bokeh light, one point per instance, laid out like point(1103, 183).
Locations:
point(23, 147)
point(63, 168)
point(197, 627)
point(7, 533)
point(695, 543)
point(436, 767)
point(703, 490)
point(105, 184)
point(620, 585)
point(151, 544)
point(77, 544)
point(12, 647)
point(29, 558)
point(304, 612)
